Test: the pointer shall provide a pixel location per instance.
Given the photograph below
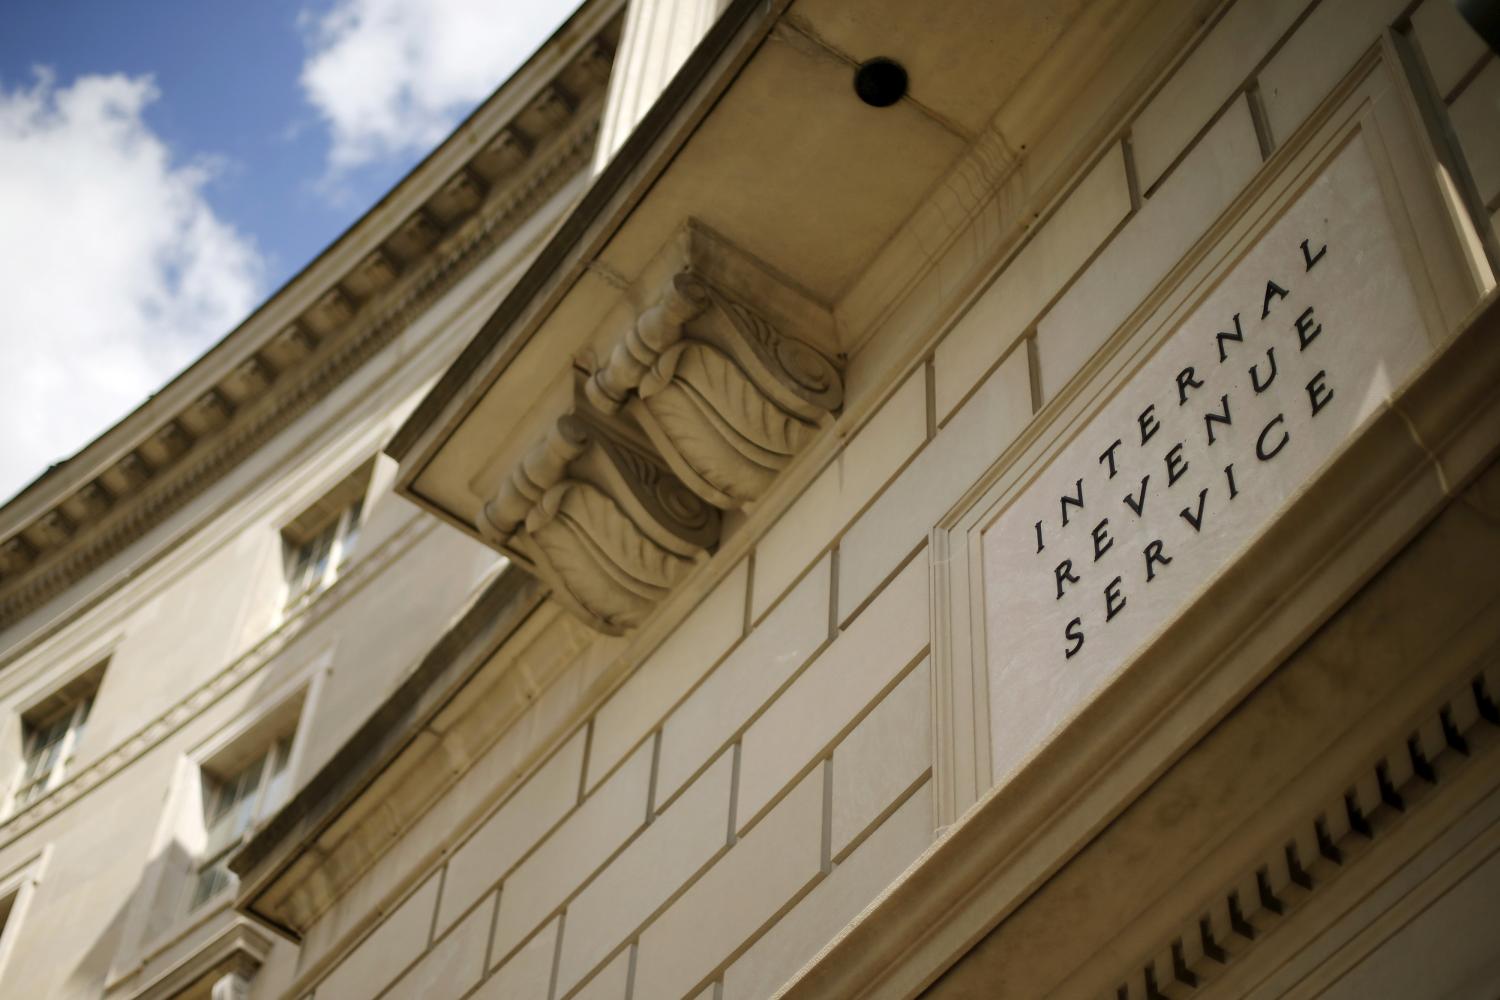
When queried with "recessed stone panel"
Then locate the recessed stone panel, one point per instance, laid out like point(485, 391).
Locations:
point(1211, 435)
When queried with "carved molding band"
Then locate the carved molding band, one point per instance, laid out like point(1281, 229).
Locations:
point(1320, 848)
point(601, 521)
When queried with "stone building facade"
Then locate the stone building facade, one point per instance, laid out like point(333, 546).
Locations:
point(764, 521)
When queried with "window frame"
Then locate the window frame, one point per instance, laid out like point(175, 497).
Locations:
point(269, 766)
point(75, 700)
point(317, 546)
point(284, 722)
point(18, 886)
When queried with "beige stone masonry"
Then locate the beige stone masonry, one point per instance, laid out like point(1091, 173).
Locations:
point(612, 982)
point(1451, 48)
point(604, 821)
point(950, 463)
point(1118, 280)
point(883, 757)
point(452, 966)
point(865, 465)
point(735, 898)
point(1043, 267)
point(732, 694)
point(806, 718)
point(822, 913)
point(377, 960)
point(1222, 62)
point(671, 671)
point(680, 841)
point(506, 836)
point(526, 975)
point(1324, 48)
point(1476, 119)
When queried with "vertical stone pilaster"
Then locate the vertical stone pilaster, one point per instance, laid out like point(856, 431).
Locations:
point(656, 41)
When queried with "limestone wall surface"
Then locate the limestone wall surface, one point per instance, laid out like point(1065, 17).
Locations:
point(760, 778)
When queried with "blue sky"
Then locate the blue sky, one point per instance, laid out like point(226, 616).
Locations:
point(166, 164)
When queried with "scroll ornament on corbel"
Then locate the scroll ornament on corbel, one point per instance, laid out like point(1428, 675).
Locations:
point(726, 397)
point(601, 521)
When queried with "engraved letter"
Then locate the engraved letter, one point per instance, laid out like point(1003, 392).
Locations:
point(1273, 291)
point(1148, 423)
point(1255, 381)
point(1177, 466)
point(1229, 475)
point(1109, 455)
point(1318, 392)
point(1312, 258)
point(1076, 501)
point(1074, 634)
point(1039, 545)
point(1210, 418)
point(1102, 541)
point(1114, 601)
point(1138, 504)
point(1154, 557)
point(1186, 381)
point(1237, 335)
point(1063, 572)
point(1260, 442)
point(1196, 520)
point(1308, 328)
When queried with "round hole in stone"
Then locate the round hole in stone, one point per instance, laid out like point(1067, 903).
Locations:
point(880, 82)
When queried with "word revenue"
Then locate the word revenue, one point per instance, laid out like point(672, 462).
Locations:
point(1091, 510)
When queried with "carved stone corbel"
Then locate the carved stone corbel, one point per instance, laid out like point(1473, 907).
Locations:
point(725, 396)
point(601, 521)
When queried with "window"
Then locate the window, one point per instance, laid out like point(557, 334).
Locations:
point(319, 542)
point(234, 802)
point(7, 907)
point(50, 735)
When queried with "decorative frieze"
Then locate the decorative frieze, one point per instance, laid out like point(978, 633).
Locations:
point(601, 520)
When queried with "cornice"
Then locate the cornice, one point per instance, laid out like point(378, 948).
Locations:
point(232, 401)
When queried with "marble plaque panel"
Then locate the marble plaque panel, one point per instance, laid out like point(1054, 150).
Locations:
point(1231, 415)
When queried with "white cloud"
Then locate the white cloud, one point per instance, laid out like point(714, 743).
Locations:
point(393, 76)
point(116, 271)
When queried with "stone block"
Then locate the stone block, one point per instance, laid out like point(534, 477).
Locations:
point(515, 827)
point(611, 983)
point(1452, 48)
point(668, 673)
point(1318, 55)
point(1169, 222)
point(680, 841)
point(865, 465)
point(1043, 267)
point(573, 852)
point(748, 677)
point(824, 700)
point(834, 902)
point(1223, 61)
point(453, 965)
point(1476, 119)
point(386, 951)
point(950, 463)
point(735, 898)
point(526, 975)
point(885, 755)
